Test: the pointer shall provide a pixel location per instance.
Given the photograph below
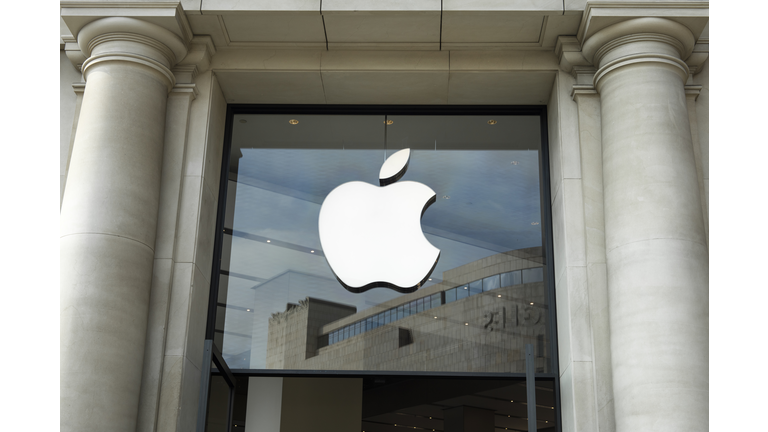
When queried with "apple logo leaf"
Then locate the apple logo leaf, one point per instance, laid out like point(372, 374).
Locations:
point(371, 235)
point(394, 167)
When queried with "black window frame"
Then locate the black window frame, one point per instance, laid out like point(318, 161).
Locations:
point(212, 352)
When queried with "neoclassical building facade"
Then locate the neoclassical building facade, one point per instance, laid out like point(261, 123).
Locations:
point(145, 91)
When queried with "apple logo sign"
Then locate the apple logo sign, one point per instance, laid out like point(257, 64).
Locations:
point(371, 236)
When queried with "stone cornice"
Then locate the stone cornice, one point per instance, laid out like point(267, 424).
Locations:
point(601, 14)
point(169, 15)
point(160, 17)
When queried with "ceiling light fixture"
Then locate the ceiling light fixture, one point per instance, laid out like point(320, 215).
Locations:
point(311, 251)
point(293, 121)
point(389, 122)
point(466, 323)
point(531, 303)
point(499, 296)
point(492, 122)
point(269, 241)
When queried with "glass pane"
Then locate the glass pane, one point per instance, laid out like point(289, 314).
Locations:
point(280, 301)
point(450, 295)
point(511, 278)
point(476, 287)
point(492, 283)
point(533, 275)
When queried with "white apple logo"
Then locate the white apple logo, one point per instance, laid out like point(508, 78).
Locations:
point(371, 236)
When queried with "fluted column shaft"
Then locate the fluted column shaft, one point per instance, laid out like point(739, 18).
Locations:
point(656, 250)
point(108, 222)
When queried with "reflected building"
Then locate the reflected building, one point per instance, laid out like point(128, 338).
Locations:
point(478, 319)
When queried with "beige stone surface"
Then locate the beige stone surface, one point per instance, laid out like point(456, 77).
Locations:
point(103, 310)
point(490, 27)
point(213, 6)
point(552, 6)
point(500, 88)
point(68, 112)
point(655, 244)
point(274, 27)
point(177, 117)
point(154, 351)
point(368, 6)
point(286, 87)
point(386, 87)
point(502, 61)
point(382, 27)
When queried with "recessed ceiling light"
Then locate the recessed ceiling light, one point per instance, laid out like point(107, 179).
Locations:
point(269, 241)
point(389, 122)
point(499, 296)
point(435, 318)
point(492, 122)
point(466, 323)
point(531, 303)
point(293, 121)
point(247, 310)
point(311, 251)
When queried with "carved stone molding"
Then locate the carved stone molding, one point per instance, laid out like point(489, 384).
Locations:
point(608, 25)
point(198, 60)
point(164, 22)
point(184, 88)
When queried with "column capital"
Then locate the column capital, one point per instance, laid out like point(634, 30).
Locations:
point(160, 25)
point(609, 25)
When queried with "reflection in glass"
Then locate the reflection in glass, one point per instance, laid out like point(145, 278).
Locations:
point(511, 278)
point(280, 305)
point(476, 287)
point(533, 275)
point(450, 295)
point(491, 283)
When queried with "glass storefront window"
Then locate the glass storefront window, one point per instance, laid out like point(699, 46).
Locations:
point(281, 306)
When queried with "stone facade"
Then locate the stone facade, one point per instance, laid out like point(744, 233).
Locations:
point(145, 86)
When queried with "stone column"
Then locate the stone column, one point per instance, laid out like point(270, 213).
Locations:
point(108, 220)
point(656, 249)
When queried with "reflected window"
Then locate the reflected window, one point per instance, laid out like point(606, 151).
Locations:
point(476, 287)
point(492, 283)
point(511, 278)
point(450, 295)
point(533, 275)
